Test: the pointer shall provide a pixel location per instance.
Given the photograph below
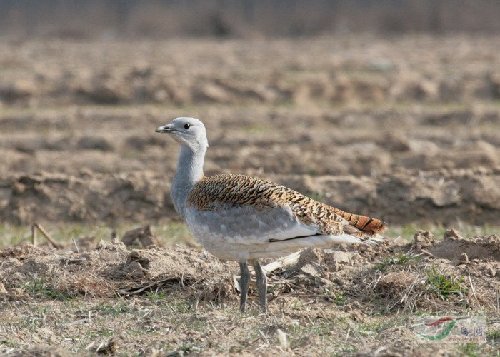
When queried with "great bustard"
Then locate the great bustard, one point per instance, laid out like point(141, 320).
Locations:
point(242, 218)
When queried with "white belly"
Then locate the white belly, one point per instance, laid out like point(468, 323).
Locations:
point(244, 233)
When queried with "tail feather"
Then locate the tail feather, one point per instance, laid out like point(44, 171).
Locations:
point(363, 223)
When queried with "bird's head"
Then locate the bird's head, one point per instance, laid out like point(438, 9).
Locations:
point(186, 131)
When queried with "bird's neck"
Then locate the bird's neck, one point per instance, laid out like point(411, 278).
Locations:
point(189, 172)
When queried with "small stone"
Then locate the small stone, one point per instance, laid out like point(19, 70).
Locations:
point(140, 236)
point(451, 234)
point(134, 256)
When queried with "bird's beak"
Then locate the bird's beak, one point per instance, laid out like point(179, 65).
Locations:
point(165, 129)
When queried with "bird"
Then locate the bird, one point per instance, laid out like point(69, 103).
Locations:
point(245, 219)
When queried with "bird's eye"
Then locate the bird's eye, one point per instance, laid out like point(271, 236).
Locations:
point(186, 126)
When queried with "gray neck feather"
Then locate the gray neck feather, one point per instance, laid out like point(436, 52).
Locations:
point(189, 171)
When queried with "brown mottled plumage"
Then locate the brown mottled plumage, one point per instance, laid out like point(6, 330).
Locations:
point(230, 190)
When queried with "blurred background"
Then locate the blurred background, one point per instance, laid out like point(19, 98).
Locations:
point(388, 108)
point(86, 19)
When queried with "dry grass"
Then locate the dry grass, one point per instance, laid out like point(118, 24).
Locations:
point(170, 232)
point(174, 299)
point(169, 323)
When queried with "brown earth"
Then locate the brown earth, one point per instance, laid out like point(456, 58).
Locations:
point(337, 69)
point(392, 280)
point(405, 129)
point(442, 197)
point(367, 124)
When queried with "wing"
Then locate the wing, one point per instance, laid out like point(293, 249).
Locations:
point(229, 191)
point(246, 206)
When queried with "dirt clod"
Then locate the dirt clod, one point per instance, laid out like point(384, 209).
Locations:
point(107, 347)
point(140, 236)
point(423, 239)
point(464, 258)
point(136, 257)
point(451, 234)
point(483, 248)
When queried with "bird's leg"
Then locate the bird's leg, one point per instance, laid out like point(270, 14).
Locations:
point(244, 280)
point(260, 277)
